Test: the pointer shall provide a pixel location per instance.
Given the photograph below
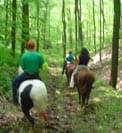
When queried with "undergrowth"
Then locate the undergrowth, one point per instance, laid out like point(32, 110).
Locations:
point(102, 115)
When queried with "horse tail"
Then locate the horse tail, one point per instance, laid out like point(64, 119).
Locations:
point(87, 86)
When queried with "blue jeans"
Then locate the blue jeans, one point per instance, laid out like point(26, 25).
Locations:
point(16, 82)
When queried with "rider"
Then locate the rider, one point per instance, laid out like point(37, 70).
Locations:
point(30, 62)
point(69, 59)
point(83, 62)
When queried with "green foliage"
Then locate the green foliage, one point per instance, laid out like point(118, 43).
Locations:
point(8, 66)
point(103, 113)
point(98, 83)
point(53, 24)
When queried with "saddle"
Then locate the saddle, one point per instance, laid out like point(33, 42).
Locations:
point(29, 76)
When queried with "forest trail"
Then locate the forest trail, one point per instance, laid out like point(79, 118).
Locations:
point(59, 121)
point(11, 116)
point(62, 107)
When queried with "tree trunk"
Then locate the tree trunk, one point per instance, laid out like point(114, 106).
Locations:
point(45, 24)
point(38, 25)
point(100, 47)
point(115, 43)
point(64, 27)
point(70, 38)
point(80, 36)
point(76, 24)
point(13, 31)
point(25, 24)
point(103, 19)
point(94, 22)
point(6, 22)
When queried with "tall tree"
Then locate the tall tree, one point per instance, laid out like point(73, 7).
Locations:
point(38, 25)
point(13, 31)
point(64, 27)
point(100, 47)
point(80, 36)
point(76, 24)
point(94, 24)
point(25, 24)
point(103, 19)
point(115, 43)
point(45, 23)
point(70, 38)
point(6, 21)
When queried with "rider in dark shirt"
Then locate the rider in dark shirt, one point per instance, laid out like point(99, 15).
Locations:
point(83, 62)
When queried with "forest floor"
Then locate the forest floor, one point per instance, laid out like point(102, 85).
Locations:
point(59, 121)
point(103, 69)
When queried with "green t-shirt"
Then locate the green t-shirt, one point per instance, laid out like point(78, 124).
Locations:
point(31, 61)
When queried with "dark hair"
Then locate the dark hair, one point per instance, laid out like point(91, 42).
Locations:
point(84, 57)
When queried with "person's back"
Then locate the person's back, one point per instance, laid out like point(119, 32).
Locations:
point(31, 61)
point(84, 57)
point(69, 59)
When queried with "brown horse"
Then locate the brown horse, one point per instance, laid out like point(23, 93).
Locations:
point(84, 79)
point(69, 69)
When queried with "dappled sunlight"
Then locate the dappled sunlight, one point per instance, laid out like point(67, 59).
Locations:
point(58, 92)
point(52, 70)
point(102, 69)
point(105, 56)
point(96, 99)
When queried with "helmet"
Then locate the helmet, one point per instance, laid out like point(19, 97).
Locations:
point(70, 51)
point(30, 43)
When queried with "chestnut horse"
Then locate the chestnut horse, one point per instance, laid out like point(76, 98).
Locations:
point(84, 79)
point(69, 69)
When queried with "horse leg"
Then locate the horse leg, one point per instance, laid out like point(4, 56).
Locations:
point(87, 99)
point(67, 78)
point(80, 95)
point(83, 100)
point(27, 114)
point(87, 95)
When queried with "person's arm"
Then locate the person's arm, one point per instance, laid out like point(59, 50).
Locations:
point(20, 70)
point(21, 64)
point(41, 62)
point(41, 67)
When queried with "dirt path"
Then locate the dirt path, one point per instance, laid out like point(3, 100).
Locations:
point(61, 107)
point(59, 112)
point(59, 121)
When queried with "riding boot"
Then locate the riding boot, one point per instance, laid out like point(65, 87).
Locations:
point(64, 66)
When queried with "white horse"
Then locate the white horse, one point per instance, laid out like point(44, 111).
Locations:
point(32, 93)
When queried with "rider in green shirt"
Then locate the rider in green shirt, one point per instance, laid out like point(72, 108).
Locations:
point(30, 62)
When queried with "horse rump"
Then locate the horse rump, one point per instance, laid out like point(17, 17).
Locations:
point(33, 93)
point(69, 69)
point(84, 79)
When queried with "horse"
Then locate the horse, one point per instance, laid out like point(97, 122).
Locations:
point(69, 69)
point(84, 79)
point(33, 93)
